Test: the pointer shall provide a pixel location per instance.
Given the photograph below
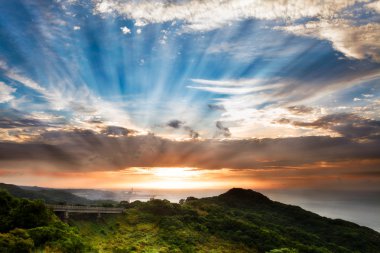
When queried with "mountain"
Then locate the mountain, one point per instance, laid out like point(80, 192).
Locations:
point(236, 221)
point(51, 196)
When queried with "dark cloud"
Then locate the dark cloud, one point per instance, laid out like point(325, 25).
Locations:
point(93, 151)
point(192, 133)
point(15, 119)
point(82, 108)
point(16, 123)
point(96, 120)
point(117, 131)
point(283, 121)
point(222, 130)
point(20, 152)
point(347, 124)
point(175, 123)
point(300, 109)
point(216, 107)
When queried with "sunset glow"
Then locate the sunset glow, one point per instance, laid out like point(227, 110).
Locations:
point(190, 94)
point(224, 126)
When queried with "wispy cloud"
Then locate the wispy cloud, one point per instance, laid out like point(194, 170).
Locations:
point(6, 93)
point(346, 124)
point(354, 41)
point(374, 6)
point(77, 101)
point(234, 87)
point(196, 15)
point(202, 16)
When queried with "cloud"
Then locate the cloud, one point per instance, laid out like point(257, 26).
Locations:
point(27, 82)
point(374, 6)
point(229, 83)
point(253, 113)
point(333, 24)
point(354, 41)
point(125, 30)
point(76, 28)
point(117, 131)
point(346, 124)
point(215, 107)
point(6, 93)
point(19, 126)
point(222, 130)
point(96, 151)
point(198, 15)
point(300, 109)
point(175, 123)
point(78, 100)
point(192, 133)
point(283, 121)
point(234, 87)
point(16, 119)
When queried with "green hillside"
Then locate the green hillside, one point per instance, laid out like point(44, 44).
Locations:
point(28, 226)
point(51, 196)
point(236, 221)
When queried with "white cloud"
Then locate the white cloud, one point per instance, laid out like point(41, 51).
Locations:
point(374, 6)
point(75, 27)
point(233, 87)
point(77, 99)
point(223, 90)
point(357, 42)
point(201, 15)
point(138, 31)
point(26, 82)
point(125, 30)
point(140, 23)
point(6, 93)
point(252, 105)
point(240, 82)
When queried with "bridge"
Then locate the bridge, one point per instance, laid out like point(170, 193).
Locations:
point(66, 209)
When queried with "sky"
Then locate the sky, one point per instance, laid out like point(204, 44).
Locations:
point(191, 94)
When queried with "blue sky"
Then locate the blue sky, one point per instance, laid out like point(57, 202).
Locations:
point(283, 94)
point(110, 61)
point(276, 96)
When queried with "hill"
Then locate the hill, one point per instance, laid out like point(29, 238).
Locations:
point(29, 226)
point(236, 221)
point(51, 196)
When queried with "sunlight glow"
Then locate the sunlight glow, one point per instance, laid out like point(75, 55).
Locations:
point(173, 173)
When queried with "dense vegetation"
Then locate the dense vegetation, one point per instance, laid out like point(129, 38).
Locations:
point(27, 226)
point(236, 221)
point(51, 196)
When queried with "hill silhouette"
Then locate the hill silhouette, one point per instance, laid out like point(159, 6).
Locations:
point(236, 221)
point(50, 196)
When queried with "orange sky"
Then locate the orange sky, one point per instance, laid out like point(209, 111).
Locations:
point(349, 174)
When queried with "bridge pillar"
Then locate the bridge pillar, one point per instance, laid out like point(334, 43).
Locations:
point(66, 215)
point(99, 215)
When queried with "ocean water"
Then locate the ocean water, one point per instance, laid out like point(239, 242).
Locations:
point(361, 207)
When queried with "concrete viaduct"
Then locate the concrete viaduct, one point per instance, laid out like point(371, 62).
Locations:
point(67, 209)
